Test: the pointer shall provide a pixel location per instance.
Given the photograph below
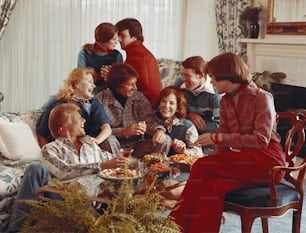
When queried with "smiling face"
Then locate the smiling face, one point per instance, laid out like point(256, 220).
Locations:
point(168, 106)
point(111, 44)
point(125, 38)
point(75, 125)
point(127, 88)
point(191, 79)
point(84, 88)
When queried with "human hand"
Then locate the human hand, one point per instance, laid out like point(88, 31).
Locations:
point(95, 140)
point(205, 140)
point(115, 163)
point(134, 130)
point(159, 137)
point(197, 120)
point(104, 71)
point(179, 146)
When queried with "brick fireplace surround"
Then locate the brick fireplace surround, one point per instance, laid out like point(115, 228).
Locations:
point(282, 54)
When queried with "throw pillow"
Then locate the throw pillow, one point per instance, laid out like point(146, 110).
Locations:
point(18, 142)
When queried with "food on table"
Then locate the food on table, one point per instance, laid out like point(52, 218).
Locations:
point(186, 159)
point(153, 158)
point(120, 173)
point(159, 167)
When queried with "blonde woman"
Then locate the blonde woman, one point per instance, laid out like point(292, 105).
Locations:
point(78, 89)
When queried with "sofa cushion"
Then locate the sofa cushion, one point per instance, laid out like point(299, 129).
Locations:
point(10, 179)
point(17, 141)
point(28, 117)
point(169, 70)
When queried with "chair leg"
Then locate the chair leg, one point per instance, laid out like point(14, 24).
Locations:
point(296, 221)
point(264, 224)
point(246, 224)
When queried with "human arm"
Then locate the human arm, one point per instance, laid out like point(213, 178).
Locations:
point(62, 162)
point(251, 125)
point(105, 132)
point(114, 163)
point(188, 145)
point(197, 120)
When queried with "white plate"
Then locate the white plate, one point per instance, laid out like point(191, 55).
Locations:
point(118, 174)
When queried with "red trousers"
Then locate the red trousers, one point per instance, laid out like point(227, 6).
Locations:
point(202, 201)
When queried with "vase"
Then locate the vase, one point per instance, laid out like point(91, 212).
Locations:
point(254, 30)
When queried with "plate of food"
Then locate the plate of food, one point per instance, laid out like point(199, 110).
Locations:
point(160, 169)
point(119, 174)
point(153, 158)
point(185, 161)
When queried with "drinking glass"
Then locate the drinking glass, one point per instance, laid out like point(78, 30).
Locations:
point(126, 152)
point(142, 135)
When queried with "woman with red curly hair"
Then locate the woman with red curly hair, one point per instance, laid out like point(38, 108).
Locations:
point(172, 110)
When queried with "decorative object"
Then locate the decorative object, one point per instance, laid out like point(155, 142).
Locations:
point(249, 18)
point(264, 79)
point(289, 27)
point(124, 214)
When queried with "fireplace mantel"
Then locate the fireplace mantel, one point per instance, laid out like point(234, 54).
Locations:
point(279, 54)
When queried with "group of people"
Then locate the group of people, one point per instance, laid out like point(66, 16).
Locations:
point(105, 101)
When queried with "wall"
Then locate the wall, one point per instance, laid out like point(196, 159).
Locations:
point(279, 54)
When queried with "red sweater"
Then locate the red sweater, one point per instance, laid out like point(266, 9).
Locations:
point(149, 80)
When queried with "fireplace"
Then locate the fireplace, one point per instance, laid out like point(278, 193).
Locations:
point(288, 97)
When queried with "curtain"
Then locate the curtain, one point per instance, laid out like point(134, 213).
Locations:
point(41, 43)
point(6, 7)
point(229, 30)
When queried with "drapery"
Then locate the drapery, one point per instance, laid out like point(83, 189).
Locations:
point(40, 45)
point(6, 7)
point(229, 30)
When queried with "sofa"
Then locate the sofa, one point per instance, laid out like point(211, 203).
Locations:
point(19, 146)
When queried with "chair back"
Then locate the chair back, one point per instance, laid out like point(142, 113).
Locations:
point(293, 142)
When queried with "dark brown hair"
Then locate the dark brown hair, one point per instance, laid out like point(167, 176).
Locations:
point(133, 25)
point(228, 66)
point(196, 63)
point(104, 32)
point(180, 98)
point(119, 73)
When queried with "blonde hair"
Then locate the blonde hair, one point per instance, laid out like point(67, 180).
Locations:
point(66, 93)
point(59, 116)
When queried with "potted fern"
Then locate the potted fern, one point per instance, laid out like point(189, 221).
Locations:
point(124, 214)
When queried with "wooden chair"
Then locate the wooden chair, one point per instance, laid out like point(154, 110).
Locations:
point(277, 199)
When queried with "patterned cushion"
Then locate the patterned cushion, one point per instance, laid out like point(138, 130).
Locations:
point(11, 172)
point(29, 117)
point(9, 180)
point(170, 70)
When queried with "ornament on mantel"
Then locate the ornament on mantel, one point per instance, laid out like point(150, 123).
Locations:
point(264, 79)
point(249, 18)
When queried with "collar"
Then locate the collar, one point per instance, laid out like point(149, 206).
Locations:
point(169, 123)
point(203, 88)
point(81, 100)
point(235, 90)
point(134, 44)
point(100, 49)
